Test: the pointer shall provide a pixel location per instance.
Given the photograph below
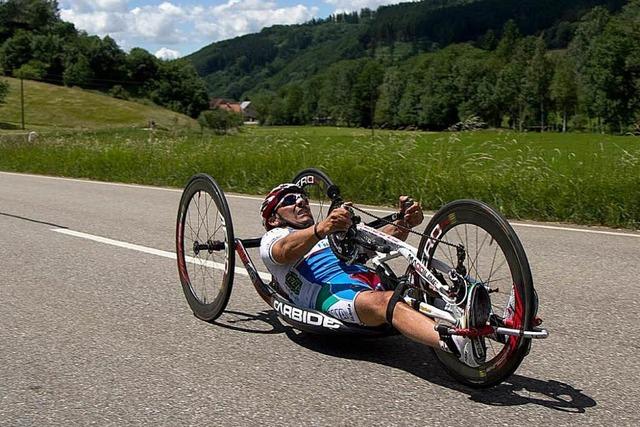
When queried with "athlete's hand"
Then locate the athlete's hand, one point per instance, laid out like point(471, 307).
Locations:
point(413, 215)
point(338, 220)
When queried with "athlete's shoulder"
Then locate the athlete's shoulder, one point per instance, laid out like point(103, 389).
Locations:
point(268, 240)
point(275, 234)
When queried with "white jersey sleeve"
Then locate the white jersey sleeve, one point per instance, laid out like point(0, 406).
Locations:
point(266, 245)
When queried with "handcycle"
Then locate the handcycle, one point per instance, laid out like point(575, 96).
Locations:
point(466, 244)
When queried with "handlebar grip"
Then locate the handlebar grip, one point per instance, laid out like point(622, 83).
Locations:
point(333, 192)
point(404, 206)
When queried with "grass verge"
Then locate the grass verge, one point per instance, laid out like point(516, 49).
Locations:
point(579, 178)
point(49, 106)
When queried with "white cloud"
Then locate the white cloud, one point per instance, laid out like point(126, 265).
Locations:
point(170, 23)
point(96, 22)
point(83, 6)
point(237, 17)
point(165, 53)
point(158, 23)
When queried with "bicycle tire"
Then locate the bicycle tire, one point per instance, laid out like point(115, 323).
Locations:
point(320, 190)
point(451, 223)
point(206, 275)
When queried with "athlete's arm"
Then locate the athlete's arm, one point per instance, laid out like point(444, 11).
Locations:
point(294, 246)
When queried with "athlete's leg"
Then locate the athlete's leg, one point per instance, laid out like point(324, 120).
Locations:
point(371, 307)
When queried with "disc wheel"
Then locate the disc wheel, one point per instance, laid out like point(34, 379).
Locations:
point(495, 258)
point(319, 188)
point(205, 247)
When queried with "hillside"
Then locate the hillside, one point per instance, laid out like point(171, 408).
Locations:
point(434, 65)
point(48, 106)
point(283, 54)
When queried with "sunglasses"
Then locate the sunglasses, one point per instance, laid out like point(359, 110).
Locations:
point(290, 200)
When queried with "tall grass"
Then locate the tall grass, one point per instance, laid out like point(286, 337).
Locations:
point(590, 179)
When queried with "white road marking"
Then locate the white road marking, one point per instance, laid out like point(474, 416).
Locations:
point(257, 198)
point(557, 227)
point(152, 251)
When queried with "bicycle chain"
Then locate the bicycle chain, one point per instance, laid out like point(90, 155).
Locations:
point(402, 226)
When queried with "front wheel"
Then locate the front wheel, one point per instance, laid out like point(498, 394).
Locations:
point(496, 259)
point(205, 247)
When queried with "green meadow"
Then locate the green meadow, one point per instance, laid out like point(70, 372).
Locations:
point(579, 178)
point(49, 106)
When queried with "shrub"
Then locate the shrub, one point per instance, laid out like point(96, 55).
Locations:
point(119, 92)
point(220, 120)
point(4, 90)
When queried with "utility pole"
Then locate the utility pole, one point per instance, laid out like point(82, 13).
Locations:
point(22, 99)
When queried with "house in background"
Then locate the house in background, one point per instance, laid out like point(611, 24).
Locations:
point(250, 113)
point(245, 108)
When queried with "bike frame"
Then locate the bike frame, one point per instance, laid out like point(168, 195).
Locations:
point(318, 322)
point(301, 318)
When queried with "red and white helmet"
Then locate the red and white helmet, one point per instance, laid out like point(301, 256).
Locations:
point(274, 196)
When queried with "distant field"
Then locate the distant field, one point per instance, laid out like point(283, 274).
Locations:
point(57, 107)
point(581, 178)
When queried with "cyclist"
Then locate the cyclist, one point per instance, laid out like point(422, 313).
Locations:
point(296, 252)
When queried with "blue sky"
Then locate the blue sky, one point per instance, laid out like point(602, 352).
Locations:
point(174, 28)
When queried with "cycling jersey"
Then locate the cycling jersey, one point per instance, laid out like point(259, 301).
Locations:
point(319, 280)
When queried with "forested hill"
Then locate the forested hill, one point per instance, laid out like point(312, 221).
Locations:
point(281, 54)
point(466, 21)
point(525, 64)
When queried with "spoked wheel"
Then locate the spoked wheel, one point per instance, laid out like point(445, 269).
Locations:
point(495, 258)
point(319, 188)
point(205, 247)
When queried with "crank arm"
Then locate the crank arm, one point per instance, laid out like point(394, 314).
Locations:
point(491, 330)
point(535, 333)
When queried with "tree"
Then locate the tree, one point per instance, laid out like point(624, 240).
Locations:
point(537, 80)
point(391, 89)
point(310, 95)
point(50, 50)
point(439, 99)
point(117, 91)
point(293, 101)
point(106, 60)
point(221, 121)
point(590, 27)
point(141, 65)
point(409, 106)
point(488, 41)
point(509, 85)
point(78, 72)
point(16, 51)
point(180, 88)
point(475, 83)
point(337, 92)
point(509, 39)
point(365, 92)
point(32, 70)
point(564, 88)
point(4, 90)
point(607, 77)
point(262, 101)
point(29, 15)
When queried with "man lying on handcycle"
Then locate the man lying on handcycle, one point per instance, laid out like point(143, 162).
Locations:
point(296, 252)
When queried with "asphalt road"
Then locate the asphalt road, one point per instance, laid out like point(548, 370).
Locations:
point(92, 333)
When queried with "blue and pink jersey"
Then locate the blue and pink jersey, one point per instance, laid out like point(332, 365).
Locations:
point(319, 280)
